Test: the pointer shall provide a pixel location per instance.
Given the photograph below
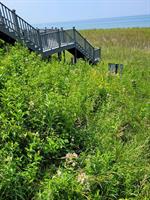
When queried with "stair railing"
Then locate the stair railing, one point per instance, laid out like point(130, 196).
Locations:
point(15, 24)
point(44, 40)
point(97, 53)
point(55, 39)
point(6, 17)
point(84, 45)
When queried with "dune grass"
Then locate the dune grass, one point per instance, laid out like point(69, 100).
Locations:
point(76, 132)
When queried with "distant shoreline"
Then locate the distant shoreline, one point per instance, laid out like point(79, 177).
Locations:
point(140, 21)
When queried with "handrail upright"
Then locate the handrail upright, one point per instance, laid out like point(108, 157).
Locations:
point(16, 24)
point(40, 40)
point(58, 38)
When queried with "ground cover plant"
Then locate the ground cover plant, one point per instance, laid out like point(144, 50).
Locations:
point(76, 132)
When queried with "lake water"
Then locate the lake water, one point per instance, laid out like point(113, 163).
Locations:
point(118, 22)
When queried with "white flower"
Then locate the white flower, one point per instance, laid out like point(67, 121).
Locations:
point(59, 172)
point(82, 177)
point(31, 104)
point(71, 156)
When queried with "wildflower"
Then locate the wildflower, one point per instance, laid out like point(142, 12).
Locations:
point(70, 156)
point(31, 104)
point(82, 177)
point(70, 159)
point(59, 172)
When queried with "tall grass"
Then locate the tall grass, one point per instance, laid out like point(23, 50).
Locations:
point(76, 131)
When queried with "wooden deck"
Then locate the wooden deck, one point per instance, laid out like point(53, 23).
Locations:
point(45, 42)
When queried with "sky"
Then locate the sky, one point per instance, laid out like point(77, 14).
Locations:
point(48, 11)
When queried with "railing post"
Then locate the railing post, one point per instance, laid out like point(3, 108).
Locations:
point(15, 20)
point(74, 35)
point(40, 40)
point(93, 54)
point(45, 30)
point(100, 53)
point(63, 36)
point(59, 44)
point(85, 44)
point(1, 19)
point(75, 51)
point(58, 38)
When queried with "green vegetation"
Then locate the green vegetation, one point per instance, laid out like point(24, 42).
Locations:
point(76, 132)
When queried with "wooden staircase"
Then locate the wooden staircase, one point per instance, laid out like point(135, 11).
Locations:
point(45, 42)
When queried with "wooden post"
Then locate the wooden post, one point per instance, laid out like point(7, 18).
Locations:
point(40, 41)
point(1, 19)
point(50, 58)
point(59, 56)
point(85, 44)
point(74, 34)
point(116, 68)
point(62, 33)
point(75, 51)
point(16, 24)
point(93, 54)
point(85, 48)
point(45, 29)
point(64, 55)
point(58, 38)
point(59, 44)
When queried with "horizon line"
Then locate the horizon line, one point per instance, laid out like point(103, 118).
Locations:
point(91, 19)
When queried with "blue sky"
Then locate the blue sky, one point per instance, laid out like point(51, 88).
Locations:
point(44, 11)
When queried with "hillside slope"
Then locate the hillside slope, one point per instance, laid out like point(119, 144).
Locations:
point(76, 131)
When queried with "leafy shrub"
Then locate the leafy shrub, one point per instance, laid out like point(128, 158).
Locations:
point(74, 132)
